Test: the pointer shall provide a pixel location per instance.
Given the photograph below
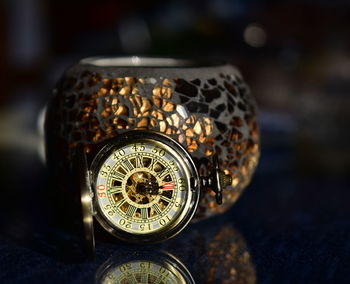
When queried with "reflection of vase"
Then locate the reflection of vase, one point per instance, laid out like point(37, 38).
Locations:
point(216, 254)
point(229, 258)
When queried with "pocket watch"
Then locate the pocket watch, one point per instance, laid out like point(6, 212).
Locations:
point(144, 187)
point(152, 143)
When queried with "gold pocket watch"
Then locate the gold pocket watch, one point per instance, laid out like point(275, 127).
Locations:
point(144, 187)
point(152, 143)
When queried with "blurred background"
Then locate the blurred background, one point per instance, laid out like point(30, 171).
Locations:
point(295, 56)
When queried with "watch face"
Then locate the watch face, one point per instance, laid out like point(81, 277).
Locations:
point(144, 187)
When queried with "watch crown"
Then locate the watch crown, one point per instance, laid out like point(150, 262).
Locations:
point(217, 180)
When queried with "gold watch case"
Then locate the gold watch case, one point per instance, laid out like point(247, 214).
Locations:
point(136, 201)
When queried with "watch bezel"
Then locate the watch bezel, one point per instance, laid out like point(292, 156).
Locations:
point(170, 230)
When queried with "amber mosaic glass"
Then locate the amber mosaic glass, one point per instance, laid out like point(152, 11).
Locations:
point(208, 109)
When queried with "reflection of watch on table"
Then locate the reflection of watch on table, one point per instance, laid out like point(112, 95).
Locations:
point(153, 142)
point(145, 267)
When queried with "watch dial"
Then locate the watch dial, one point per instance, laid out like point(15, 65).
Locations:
point(143, 187)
